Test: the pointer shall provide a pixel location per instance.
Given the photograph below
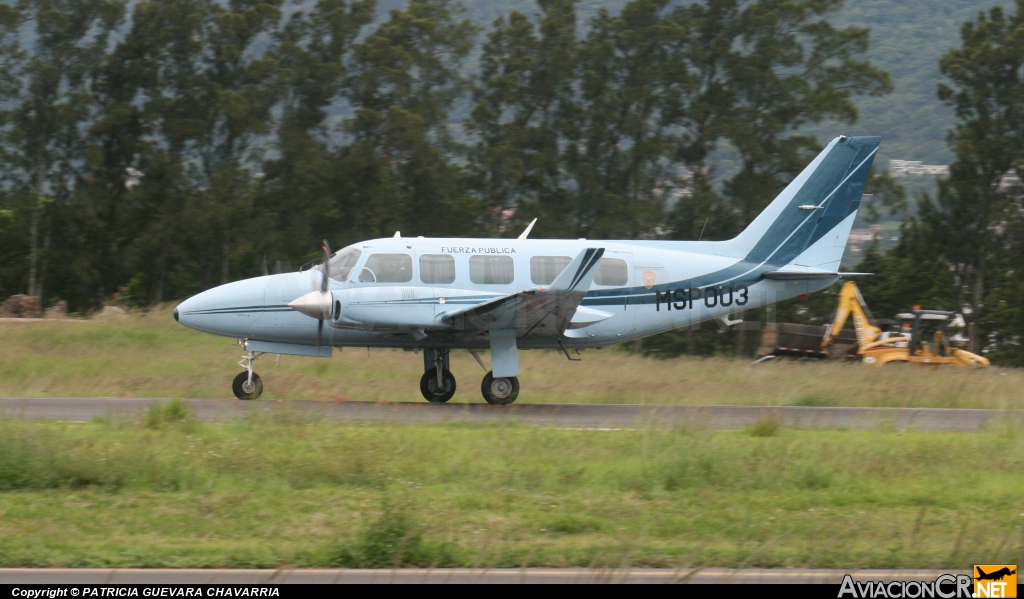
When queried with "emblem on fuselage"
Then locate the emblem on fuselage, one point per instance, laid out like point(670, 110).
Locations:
point(649, 278)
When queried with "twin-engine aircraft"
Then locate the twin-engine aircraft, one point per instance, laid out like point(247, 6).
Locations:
point(506, 295)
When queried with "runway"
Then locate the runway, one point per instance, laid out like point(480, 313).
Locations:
point(585, 416)
point(457, 576)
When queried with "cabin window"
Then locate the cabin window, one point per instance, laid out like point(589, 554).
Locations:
point(491, 270)
point(342, 262)
point(545, 269)
point(611, 272)
point(387, 268)
point(437, 269)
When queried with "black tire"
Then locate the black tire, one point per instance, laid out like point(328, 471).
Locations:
point(241, 379)
point(491, 392)
point(428, 386)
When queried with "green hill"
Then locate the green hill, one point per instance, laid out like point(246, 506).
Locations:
point(908, 39)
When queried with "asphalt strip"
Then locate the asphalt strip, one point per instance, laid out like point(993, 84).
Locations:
point(603, 417)
point(458, 576)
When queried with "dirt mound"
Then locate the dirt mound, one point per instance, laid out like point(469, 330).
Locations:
point(57, 311)
point(110, 313)
point(21, 306)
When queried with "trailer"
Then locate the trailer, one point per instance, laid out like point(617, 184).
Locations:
point(805, 340)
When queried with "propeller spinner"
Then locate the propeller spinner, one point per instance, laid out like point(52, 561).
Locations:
point(318, 304)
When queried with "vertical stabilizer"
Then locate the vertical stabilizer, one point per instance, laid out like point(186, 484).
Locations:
point(810, 221)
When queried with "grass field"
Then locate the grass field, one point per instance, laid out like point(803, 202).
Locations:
point(166, 490)
point(283, 491)
point(150, 355)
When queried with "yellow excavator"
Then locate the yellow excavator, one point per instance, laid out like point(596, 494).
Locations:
point(907, 344)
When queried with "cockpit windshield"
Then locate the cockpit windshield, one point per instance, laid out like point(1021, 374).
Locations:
point(341, 263)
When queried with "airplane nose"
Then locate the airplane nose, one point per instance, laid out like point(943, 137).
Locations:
point(230, 310)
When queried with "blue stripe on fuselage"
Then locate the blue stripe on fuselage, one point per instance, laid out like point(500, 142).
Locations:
point(741, 273)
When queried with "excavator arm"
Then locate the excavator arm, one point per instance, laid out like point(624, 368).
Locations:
point(851, 303)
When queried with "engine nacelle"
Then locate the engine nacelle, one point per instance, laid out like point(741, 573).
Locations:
point(381, 308)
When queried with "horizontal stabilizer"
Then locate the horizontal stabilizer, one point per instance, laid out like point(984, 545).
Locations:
point(791, 274)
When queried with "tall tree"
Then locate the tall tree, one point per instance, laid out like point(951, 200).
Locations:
point(98, 229)
point(790, 68)
point(211, 81)
point(238, 86)
point(299, 199)
point(399, 168)
point(617, 137)
point(51, 104)
point(702, 49)
point(576, 130)
point(974, 212)
point(524, 93)
point(13, 236)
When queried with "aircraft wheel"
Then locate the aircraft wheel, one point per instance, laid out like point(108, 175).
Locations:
point(500, 392)
point(430, 390)
point(244, 389)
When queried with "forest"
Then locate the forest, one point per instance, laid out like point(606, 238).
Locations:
point(153, 149)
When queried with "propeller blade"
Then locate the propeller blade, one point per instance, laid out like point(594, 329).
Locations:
point(319, 332)
point(265, 270)
point(327, 264)
point(330, 327)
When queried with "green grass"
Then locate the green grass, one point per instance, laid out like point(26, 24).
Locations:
point(167, 490)
point(150, 355)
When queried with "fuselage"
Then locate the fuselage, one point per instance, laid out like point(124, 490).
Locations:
point(394, 292)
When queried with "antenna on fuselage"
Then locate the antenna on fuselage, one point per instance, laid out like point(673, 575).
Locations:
point(528, 229)
point(398, 233)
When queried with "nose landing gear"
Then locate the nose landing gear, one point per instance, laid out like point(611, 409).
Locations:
point(248, 384)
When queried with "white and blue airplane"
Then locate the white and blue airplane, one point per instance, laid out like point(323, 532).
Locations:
point(436, 295)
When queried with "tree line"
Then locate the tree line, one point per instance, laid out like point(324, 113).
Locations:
point(157, 148)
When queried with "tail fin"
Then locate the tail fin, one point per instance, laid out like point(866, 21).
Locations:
point(810, 221)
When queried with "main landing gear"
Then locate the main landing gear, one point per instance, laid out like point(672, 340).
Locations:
point(500, 391)
point(438, 383)
point(439, 388)
point(248, 384)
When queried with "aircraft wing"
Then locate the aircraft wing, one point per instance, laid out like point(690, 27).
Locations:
point(539, 312)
